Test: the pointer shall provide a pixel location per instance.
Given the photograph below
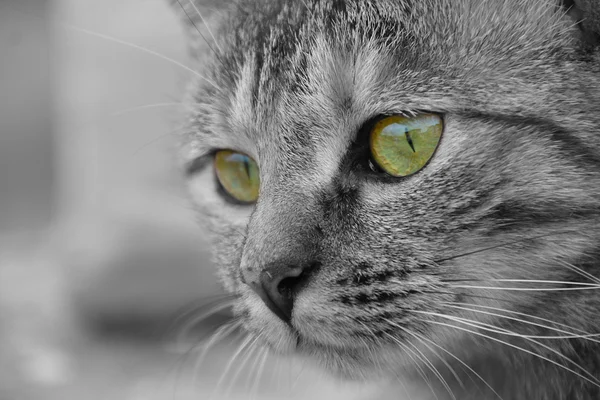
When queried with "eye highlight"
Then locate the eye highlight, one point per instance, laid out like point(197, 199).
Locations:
point(238, 175)
point(401, 145)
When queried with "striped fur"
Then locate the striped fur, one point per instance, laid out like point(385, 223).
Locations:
point(513, 191)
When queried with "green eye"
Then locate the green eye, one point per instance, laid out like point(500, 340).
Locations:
point(402, 145)
point(238, 175)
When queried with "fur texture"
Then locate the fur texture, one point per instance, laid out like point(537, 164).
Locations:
point(512, 193)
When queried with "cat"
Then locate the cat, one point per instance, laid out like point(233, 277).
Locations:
point(407, 188)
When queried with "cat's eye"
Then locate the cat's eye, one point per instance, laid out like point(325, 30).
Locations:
point(402, 145)
point(238, 175)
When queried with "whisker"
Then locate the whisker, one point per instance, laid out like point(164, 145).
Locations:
point(172, 330)
point(247, 341)
point(419, 369)
point(155, 140)
point(516, 289)
point(545, 281)
point(233, 228)
point(435, 371)
point(519, 281)
point(142, 49)
point(199, 304)
point(365, 344)
point(307, 7)
point(515, 347)
point(215, 307)
point(282, 375)
point(476, 324)
point(223, 331)
point(461, 362)
point(420, 338)
point(527, 239)
point(569, 335)
point(581, 272)
point(518, 303)
point(219, 335)
point(408, 396)
point(251, 348)
point(206, 25)
point(276, 376)
point(448, 292)
point(253, 367)
point(499, 330)
point(305, 4)
point(522, 314)
point(195, 26)
point(297, 379)
point(261, 365)
point(178, 367)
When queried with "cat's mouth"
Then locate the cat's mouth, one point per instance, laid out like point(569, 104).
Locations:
point(325, 334)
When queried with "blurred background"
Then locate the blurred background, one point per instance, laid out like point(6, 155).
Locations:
point(99, 251)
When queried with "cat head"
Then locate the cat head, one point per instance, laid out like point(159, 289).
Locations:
point(335, 249)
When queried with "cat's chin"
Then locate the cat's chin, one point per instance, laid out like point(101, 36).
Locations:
point(342, 362)
point(352, 364)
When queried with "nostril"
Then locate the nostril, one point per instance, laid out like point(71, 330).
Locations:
point(278, 285)
point(291, 285)
point(287, 285)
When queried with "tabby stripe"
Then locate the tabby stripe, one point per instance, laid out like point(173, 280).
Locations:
point(578, 152)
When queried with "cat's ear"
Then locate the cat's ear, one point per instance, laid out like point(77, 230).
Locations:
point(586, 13)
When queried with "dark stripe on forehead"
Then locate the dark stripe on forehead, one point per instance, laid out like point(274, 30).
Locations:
point(278, 35)
point(575, 150)
point(271, 31)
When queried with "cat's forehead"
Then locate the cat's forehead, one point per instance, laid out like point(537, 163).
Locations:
point(305, 64)
point(278, 36)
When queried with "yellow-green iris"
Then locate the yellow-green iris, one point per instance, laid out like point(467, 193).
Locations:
point(238, 175)
point(402, 145)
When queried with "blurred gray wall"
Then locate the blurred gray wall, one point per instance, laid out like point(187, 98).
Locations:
point(27, 174)
point(85, 175)
point(131, 246)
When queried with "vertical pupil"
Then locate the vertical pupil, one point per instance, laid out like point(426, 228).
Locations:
point(247, 166)
point(409, 139)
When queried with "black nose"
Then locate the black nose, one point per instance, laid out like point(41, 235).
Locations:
point(276, 286)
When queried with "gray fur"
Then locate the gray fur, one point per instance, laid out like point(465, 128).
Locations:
point(518, 84)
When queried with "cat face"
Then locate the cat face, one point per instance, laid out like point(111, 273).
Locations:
point(368, 272)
